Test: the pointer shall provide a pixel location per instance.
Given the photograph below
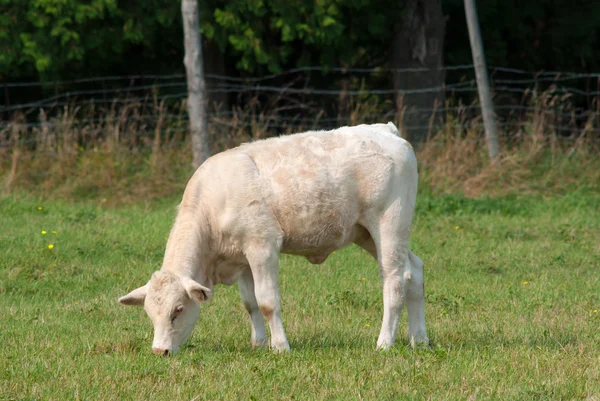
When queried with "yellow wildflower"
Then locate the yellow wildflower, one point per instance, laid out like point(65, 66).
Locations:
point(53, 231)
point(456, 228)
point(43, 232)
point(595, 310)
point(363, 279)
point(367, 325)
point(40, 208)
point(50, 246)
point(525, 282)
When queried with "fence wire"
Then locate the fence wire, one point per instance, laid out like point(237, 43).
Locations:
point(301, 98)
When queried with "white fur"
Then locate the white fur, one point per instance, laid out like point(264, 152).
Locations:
point(305, 194)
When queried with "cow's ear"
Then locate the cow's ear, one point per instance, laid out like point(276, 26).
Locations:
point(195, 291)
point(135, 297)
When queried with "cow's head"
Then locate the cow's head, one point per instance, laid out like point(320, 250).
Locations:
point(173, 304)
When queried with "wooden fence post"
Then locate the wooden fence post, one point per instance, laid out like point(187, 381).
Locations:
point(483, 85)
point(197, 100)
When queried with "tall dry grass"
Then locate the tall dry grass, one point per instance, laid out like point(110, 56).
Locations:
point(138, 151)
point(536, 155)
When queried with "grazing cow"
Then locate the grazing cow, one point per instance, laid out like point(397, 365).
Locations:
point(306, 194)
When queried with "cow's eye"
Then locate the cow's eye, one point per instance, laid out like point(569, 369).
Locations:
point(177, 312)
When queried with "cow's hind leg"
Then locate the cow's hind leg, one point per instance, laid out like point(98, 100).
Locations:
point(264, 263)
point(391, 267)
point(246, 286)
point(415, 300)
point(391, 236)
point(414, 290)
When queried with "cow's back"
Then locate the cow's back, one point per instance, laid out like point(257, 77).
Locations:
point(317, 185)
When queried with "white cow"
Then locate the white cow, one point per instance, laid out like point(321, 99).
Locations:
point(305, 194)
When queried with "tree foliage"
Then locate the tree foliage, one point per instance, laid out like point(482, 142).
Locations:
point(64, 39)
point(283, 34)
point(61, 38)
point(533, 35)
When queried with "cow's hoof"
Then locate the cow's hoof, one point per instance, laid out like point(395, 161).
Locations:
point(260, 343)
point(280, 347)
point(384, 344)
point(419, 342)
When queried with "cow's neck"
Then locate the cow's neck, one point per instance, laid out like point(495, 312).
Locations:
point(185, 248)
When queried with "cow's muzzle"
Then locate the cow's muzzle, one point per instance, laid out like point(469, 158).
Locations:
point(158, 351)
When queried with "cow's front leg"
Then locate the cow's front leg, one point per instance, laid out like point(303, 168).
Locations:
point(264, 263)
point(246, 285)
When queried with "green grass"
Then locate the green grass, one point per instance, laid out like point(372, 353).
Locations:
point(511, 289)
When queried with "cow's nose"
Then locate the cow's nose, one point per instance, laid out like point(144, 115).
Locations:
point(158, 351)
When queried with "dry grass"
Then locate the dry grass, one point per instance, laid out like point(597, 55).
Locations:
point(534, 163)
point(140, 151)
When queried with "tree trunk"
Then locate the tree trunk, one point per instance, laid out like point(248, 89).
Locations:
point(418, 44)
point(197, 100)
point(344, 114)
point(214, 63)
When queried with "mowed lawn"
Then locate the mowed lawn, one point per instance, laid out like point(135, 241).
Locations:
point(512, 300)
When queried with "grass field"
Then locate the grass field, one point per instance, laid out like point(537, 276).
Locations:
point(512, 301)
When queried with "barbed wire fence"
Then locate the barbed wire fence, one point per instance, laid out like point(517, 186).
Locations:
point(140, 107)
